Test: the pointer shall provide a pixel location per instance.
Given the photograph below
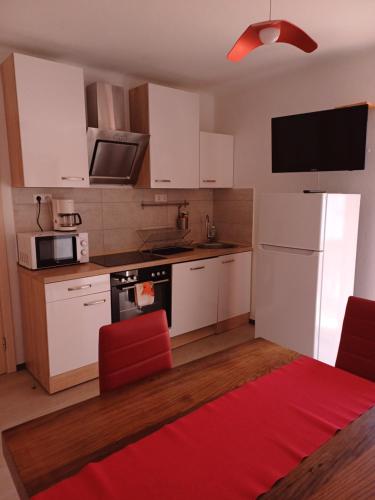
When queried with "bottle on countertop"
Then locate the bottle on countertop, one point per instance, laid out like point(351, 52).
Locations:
point(182, 219)
point(210, 230)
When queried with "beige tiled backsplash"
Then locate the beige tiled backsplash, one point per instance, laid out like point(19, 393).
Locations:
point(233, 214)
point(112, 216)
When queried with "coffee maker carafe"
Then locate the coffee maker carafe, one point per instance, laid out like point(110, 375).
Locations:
point(64, 216)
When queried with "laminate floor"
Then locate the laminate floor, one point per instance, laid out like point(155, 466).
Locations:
point(22, 400)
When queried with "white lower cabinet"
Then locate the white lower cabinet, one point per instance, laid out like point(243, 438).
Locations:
point(234, 285)
point(194, 295)
point(208, 291)
point(73, 326)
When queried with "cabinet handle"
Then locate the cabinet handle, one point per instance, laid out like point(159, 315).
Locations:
point(126, 287)
point(208, 180)
point(196, 268)
point(72, 178)
point(162, 180)
point(79, 287)
point(95, 302)
point(227, 261)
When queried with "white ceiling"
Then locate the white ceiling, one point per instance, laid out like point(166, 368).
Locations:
point(182, 42)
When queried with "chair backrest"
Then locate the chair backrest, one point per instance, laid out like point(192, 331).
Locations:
point(357, 345)
point(133, 349)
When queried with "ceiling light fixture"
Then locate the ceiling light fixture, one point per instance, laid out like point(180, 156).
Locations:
point(268, 32)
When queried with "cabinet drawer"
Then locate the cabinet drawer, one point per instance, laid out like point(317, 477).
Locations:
point(76, 288)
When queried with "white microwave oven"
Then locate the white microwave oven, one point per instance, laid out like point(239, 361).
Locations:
point(52, 249)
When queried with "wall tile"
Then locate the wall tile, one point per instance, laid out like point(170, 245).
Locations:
point(238, 233)
point(25, 218)
point(197, 233)
point(233, 194)
point(123, 194)
point(79, 195)
point(190, 194)
point(121, 215)
point(96, 242)
point(92, 215)
point(237, 212)
point(111, 215)
point(197, 215)
point(24, 195)
point(117, 240)
point(233, 214)
point(153, 217)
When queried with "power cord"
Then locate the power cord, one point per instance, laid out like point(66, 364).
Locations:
point(39, 200)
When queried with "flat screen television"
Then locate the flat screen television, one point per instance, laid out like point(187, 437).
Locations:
point(321, 141)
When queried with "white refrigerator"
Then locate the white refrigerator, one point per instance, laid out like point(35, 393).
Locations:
point(305, 266)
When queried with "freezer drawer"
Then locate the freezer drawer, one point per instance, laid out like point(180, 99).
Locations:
point(288, 283)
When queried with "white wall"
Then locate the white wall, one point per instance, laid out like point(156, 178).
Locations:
point(247, 113)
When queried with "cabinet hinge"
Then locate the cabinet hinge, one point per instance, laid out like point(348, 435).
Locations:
point(4, 343)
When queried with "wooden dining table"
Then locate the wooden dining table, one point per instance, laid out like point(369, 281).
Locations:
point(45, 450)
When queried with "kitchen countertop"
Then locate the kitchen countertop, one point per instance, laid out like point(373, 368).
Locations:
point(85, 270)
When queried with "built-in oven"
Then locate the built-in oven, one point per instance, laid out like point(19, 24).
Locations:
point(123, 292)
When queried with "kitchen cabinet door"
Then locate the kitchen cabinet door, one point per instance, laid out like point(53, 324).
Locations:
point(171, 117)
point(46, 122)
point(73, 330)
point(194, 295)
point(234, 285)
point(216, 160)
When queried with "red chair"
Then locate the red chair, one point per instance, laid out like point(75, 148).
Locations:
point(133, 349)
point(357, 345)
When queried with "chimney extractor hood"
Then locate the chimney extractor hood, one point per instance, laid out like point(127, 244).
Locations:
point(115, 156)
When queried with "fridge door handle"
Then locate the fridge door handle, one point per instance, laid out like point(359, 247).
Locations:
point(296, 251)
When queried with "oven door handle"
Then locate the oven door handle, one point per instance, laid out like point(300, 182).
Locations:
point(125, 287)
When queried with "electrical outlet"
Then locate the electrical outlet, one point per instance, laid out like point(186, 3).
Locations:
point(45, 197)
point(160, 198)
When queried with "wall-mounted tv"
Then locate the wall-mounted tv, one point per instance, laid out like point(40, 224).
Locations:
point(321, 141)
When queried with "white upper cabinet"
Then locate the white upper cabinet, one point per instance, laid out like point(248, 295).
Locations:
point(216, 160)
point(46, 122)
point(171, 117)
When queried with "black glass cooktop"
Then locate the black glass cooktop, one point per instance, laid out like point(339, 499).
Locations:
point(123, 259)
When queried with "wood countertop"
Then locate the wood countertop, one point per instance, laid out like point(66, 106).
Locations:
point(86, 270)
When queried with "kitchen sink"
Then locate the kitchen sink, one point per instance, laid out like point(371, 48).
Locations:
point(216, 244)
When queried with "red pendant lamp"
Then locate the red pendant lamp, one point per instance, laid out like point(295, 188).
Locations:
point(267, 32)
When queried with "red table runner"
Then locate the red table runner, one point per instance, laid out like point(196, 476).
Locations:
point(235, 447)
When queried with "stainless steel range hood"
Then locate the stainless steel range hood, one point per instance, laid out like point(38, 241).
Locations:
point(115, 156)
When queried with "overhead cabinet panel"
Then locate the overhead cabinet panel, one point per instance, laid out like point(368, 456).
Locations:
point(171, 117)
point(46, 122)
point(216, 160)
